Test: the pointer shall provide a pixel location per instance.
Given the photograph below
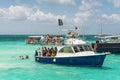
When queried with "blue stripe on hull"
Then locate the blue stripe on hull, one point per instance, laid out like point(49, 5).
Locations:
point(96, 60)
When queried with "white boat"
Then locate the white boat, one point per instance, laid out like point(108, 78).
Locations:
point(80, 55)
point(74, 52)
point(99, 36)
point(34, 39)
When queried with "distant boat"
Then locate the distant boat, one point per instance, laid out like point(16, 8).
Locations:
point(101, 33)
point(108, 44)
point(34, 39)
point(71, 38)
point(99, 36)
point(74, 55)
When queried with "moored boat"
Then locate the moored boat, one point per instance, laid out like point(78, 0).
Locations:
point(108, 44)
point(34, 39)
point(45, 40)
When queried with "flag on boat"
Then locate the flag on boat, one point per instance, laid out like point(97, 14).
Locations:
point(60, 23)
point(76, 28)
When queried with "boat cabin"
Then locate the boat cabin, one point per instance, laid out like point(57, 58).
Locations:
point(82, 55)
point(65, 51)
point(75, 49)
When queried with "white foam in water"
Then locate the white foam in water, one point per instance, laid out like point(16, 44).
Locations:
point(13, 66)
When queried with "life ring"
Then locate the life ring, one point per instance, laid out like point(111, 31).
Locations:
point(37, 59)
point(54, 60)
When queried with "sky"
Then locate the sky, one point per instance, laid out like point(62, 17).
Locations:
point(41, 16)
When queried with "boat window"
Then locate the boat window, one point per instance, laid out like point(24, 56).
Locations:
point(66, 50)
point(86, 48)
point(114, 37)
point(81, 48)
point(76, 49)
point(90, 48)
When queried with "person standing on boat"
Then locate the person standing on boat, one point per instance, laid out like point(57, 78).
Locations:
point(56, 50)
point(44, 51)
point(96, 45)
point(48, 38)
point(53, 52)
point(36, 53)
point(48, 52)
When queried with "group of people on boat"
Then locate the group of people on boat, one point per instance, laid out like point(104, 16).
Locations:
point(49, 52)
point(33, 40)
point(71, 35)
point(58, 39)
point(30, 41)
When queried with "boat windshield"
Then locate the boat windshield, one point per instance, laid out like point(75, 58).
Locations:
point(77, 48)
point(66, 50)
point(80, 48)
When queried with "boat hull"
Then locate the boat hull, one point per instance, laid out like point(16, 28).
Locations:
point(113, 48)
point(95, 60)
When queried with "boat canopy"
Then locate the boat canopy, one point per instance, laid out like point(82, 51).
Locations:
point(35, 36)
point(111, 39)
point(73, 41)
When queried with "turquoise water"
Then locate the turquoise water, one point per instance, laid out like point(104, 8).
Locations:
point(13, 68)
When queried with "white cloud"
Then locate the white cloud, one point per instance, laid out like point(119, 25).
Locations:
point(40, 16)
point(63, 2)
point(15, 12)
point(88, 11)
point(112, 17)
point(25, 13)
point(81, 17)
point(89, 4)
point(116, 3)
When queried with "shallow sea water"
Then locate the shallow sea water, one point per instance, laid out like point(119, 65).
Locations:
point(13, 68)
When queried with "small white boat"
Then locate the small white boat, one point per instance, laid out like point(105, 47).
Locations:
point(34, 39)
point(99, 36)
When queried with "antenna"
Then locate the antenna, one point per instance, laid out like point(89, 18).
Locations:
point(101, 30)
